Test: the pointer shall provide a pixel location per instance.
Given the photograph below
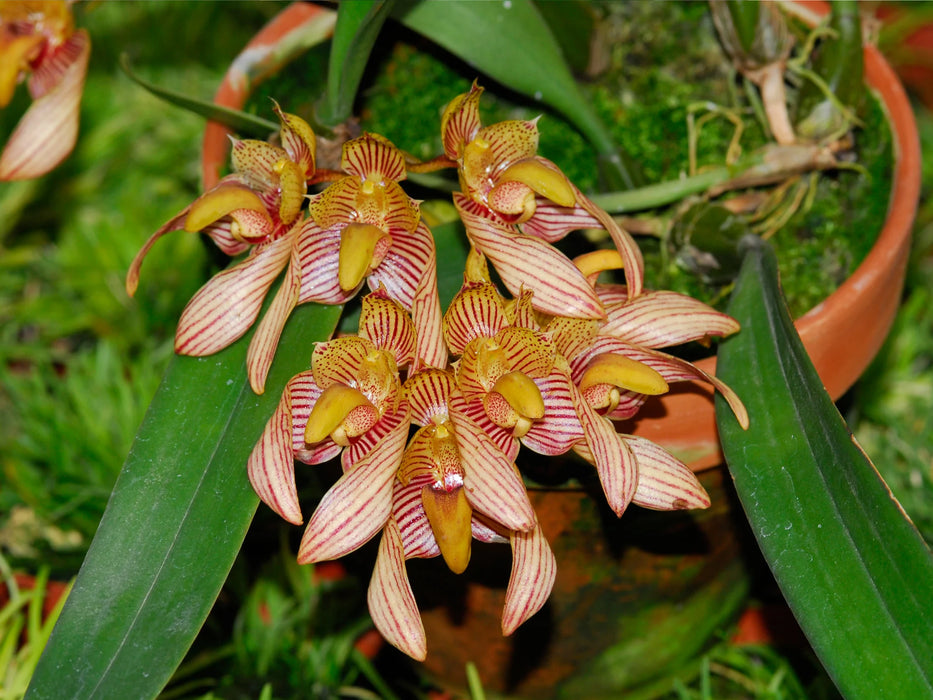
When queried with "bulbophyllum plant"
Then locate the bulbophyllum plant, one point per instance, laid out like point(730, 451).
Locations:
point(427, 408)
point(547, 369)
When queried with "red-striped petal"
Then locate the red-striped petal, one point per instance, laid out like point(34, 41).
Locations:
point(391, 601)
point(176, 223)
point(534, 570)
point(478, 311)
point(225, 307)
point(373, 157)
point(47, 132)
point(426, 313)
point(428, 392)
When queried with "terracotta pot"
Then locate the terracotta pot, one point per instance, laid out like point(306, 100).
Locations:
point(843, 333)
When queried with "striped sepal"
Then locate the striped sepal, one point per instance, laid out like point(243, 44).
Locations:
point(491, 479)
point(319, 255)
point(664, 482)
point(560, 428)
point(255, 161)
point(225, 307)
point(426, 312)
point(662, 319)
point(358, 505)
point(265, 340)
point(534, 570)
point(391, 601)
point(526, 263)
point(461, 121)
point(372, 157)
point(405, 265)
point(632, 259)
point(614, 461)
point(407, 510)
point(271, 467)
point(47, 132)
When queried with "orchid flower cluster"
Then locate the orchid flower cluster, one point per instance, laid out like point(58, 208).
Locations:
point(427, 412)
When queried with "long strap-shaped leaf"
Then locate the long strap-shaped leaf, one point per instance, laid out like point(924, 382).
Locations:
point(176, 519)
point(852, 567)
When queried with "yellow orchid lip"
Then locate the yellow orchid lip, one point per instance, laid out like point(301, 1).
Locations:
point(341, 412)
point(597, 261)
point(17, 52)
point(219, 202)
point(623, 372)
point(449, 513)
point(362, 247)
point(547, 182)
point(514, 402)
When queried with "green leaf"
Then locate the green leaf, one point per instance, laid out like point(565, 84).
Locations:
point(176, 519)
point(511, 43)
point(241, 122)
point(852, 567)
point(358, 26)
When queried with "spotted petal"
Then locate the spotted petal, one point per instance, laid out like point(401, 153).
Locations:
point(664, 482)
point(491, 480)
point(358, 505)
point(391, 601)
point(225, 307)
point(47, 132)
point(664, 318)
point(461, 121)
point(526, 263)
point(534, 570)
point(298, 140)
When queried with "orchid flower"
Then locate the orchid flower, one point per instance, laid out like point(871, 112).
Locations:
point(364, 227)
point(454, 485)
point(616, 363)
point(515, 203)
point(350, 404)
point(257, 208)
point(38, 39)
